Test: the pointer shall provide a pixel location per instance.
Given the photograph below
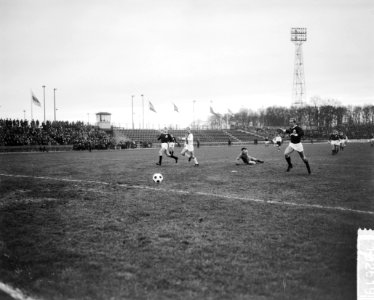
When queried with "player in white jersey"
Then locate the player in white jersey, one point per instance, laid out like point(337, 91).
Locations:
point(278, 141)
point(343, 139)
point(172, 143)
point(188, 149)
point(372, 140)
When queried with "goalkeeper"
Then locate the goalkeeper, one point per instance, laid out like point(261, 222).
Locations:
point(246, 158)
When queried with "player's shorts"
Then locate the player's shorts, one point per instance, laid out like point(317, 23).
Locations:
point(297, 147)
point(164, 148)
point(248, 161)
point(335, 142)
point(278, 143)
point(188, 147)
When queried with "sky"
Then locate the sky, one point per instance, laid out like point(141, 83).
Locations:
point(102, 55)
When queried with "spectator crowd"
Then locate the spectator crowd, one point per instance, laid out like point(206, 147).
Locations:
point(81, 136)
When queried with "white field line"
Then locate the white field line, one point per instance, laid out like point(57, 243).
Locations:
point(15, 293)
point(247, 199)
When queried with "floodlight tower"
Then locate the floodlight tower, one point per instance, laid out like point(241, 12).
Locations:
point(298, 36)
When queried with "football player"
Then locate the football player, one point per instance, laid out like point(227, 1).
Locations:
point(278, 141)
point(246, 158)
point(335, 142)
point(172, 143)
point(188, 149)
point(343, 139)
point(164, 138)
point(296, 133)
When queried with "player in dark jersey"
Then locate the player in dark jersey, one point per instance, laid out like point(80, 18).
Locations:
point(165, 138)
point(335, 142)
point(246, 158)
point(296, 133)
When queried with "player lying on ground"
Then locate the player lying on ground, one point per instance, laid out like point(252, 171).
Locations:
point(246, 158)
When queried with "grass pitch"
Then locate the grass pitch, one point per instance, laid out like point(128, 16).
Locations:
point(80, 225)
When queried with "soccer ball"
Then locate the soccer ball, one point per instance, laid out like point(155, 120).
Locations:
point(157, 177)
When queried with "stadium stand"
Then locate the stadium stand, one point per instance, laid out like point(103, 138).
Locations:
point(243, 136)
point(34, 136)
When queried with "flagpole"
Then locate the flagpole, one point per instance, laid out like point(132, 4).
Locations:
point(143, 108)
point(193, 110)
point(44, 101)
point(54, 102)
point(132, 111)
point(211, 103)
point(31, 109)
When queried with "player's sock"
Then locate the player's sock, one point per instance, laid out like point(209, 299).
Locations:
point(307, 167)
point(159, 160)
point(195, 160)
point(288, 159)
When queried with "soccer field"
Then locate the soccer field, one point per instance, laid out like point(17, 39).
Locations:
point(94, 225)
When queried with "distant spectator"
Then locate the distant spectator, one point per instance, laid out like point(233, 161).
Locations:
point(267, 141)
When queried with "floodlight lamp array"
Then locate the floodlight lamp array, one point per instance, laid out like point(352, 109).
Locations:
point(298, 34)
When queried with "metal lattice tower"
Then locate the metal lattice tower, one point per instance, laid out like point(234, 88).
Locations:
point(298, 37)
